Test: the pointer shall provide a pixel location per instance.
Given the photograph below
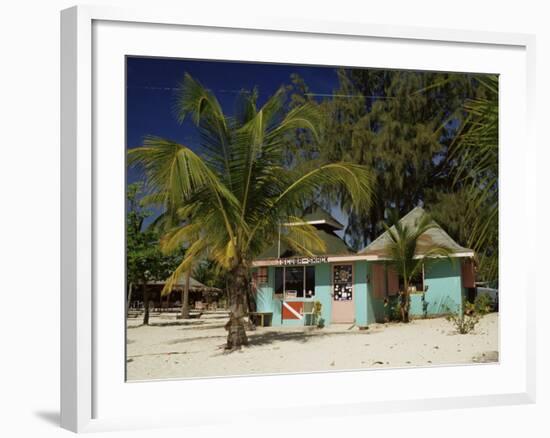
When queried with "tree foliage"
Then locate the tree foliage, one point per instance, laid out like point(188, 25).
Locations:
point(144, 260)
point(477, 154)
point(227, 204)
point(418, 132)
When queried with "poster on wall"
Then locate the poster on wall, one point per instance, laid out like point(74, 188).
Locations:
point(343, 283)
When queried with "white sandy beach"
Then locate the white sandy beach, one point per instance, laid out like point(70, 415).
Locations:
point(171, 348)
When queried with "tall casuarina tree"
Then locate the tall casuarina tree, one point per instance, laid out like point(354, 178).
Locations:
point(229, 203)
point(399, 123)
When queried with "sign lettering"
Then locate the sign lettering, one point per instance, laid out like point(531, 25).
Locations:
point(302, 261)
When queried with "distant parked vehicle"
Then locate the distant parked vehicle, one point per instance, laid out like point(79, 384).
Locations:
point(493, 294)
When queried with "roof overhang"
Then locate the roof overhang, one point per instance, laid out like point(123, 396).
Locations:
point(421, 256)
point(326, 259)
point(343, 258)
point(296, 224)
point(337, 225)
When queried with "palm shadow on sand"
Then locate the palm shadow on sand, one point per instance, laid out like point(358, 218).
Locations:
point(270, 337)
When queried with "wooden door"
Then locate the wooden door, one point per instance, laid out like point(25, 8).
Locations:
point(343, 300)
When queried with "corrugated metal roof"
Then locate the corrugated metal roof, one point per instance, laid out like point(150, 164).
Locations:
point(433, 236)
point(320, 216)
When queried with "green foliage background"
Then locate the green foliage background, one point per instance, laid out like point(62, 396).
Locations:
point(428, 138)
point(432, 140)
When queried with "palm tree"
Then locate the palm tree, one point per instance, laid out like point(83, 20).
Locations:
point(227, 205)
point(405, 256)
point(477, 152)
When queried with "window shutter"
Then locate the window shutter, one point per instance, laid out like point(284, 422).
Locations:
point(393, 281)
point(468, 275)
point(379, 280)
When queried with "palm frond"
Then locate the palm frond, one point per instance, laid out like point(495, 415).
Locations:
point(303, 237)
point(403, 249)
point(192, 254)
point(179, 236)
point(229, 204)
point(195, 100)
point(177, 171)
point(307, 116)
point(357, 179)
point(476, 152)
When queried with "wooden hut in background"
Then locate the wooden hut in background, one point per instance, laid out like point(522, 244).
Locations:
point(200, 296)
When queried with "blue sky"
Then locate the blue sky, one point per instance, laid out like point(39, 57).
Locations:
point(151, 85)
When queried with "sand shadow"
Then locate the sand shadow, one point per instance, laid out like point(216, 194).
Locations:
point(270, 337)
point(208, 326)
point(196, 338)
point(256, 339)
point(192, 323)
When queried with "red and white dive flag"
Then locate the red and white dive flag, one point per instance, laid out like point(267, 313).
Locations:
point(293, 310)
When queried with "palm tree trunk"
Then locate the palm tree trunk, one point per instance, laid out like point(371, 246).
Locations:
point(185, 296)
point(237, 290)
point(145, 303)
point(405, 306)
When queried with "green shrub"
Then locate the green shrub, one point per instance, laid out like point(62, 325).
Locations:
point(317, 307)
point(424, 306)
point(483, 304)
point(392, 305)
point(464, 322)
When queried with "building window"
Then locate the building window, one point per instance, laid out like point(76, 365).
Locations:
point(279, 281)
point(416, 284)
point(310, 281)
point(295, 281)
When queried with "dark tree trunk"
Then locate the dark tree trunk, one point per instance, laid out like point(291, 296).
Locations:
point(251, 298)
point(129, 299)
point(236, 291)
point(185, 296)
point(145, 303)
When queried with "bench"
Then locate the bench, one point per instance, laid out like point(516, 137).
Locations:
point(262, 317)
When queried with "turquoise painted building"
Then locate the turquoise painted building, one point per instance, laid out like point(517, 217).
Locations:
point(357, 287)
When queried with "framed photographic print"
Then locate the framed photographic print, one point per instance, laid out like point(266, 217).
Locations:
point(320, 216)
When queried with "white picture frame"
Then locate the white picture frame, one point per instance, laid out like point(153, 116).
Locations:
point(83, 319)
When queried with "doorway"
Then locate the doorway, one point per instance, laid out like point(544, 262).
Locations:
point(343, 304)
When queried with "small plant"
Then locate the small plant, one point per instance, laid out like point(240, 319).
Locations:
point(483, 304)
point(317, 307)
point(424, 306)
point(392, 308)
point(465, 321)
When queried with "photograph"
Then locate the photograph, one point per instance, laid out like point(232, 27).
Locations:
point(288, 218)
